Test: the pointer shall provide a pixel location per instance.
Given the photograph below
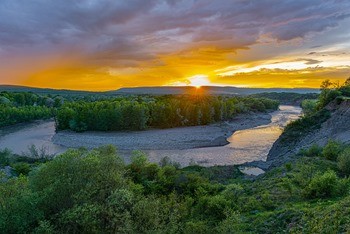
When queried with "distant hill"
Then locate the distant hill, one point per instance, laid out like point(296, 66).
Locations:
point(159, 90)
point(216, 90)
point(16, 88)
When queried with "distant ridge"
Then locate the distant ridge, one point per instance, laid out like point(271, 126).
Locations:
point(18, 88)
point(161, 90)
point(216, 90)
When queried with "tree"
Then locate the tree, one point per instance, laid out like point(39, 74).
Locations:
point(347, 82)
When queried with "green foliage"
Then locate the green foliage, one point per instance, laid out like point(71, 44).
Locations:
point(287, 98)
point(314, 151)
point(20, 107)
point(326, 185)
point(330, 91)
point(21, 168)
point(154, 112)
point(29, 99)
point(344, 161)
point(332, 150)
point(84, 191)
point(312, 120)
point(326, 96)
point(212, 208)
point(76, 175)
point(233, 192)
point(19, 209)
point(5, 157)
point(304, 125)
point(12, 115)
point(309, 106)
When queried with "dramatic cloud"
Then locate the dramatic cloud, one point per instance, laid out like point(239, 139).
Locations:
point(104, 44)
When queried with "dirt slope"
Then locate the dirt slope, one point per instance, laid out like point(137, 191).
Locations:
point(337, 127)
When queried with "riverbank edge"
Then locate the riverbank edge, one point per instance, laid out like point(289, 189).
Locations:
point(165, 139)
point(16, 127)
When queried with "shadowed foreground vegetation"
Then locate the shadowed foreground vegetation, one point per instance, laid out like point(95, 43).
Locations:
point(84, 191)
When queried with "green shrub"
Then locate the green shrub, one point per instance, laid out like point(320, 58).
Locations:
point(344, 161)
point(325, 185)
point(233, 192)
point(231, 224)
point(314, 151)
point(21, 168)
point(213, 207)
point(326, 96)
point(76, 176)
point(5, 157)
point(77, 126)
point(199, 227)
point(18, 206)
point(332, 150)
point(309, 106)
point(288, 166)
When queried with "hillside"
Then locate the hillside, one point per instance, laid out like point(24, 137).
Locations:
point(333, 123)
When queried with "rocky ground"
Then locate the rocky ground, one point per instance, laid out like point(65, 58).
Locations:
point(163, 139)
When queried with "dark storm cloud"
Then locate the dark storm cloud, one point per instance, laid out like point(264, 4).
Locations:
point(115, 30)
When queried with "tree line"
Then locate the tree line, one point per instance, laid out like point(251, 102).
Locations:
point(139, 113)
point(24, 107)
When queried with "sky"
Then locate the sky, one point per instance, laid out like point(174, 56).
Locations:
point(109, 44)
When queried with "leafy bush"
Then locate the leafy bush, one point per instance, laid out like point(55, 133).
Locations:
point(314, 151)
point(332, 150)
point(309, 106)
point(5, 157)
point(233, 192)
point(21, 168)
point(325, 185)
point(213, 207)
point(344, 161)
point(326, 96)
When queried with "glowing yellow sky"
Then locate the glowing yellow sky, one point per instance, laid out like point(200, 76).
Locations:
point(106, 45)
point(194, 68)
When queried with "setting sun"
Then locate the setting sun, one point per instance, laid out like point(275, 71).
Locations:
point(199, 80)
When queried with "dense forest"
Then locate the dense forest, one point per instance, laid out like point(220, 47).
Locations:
point(132, 112)
point(24, 107)
point(141, 112)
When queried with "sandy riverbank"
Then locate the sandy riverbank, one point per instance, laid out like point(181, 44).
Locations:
point(163, 139)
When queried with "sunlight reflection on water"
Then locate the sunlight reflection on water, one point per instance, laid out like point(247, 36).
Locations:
point(245, 145)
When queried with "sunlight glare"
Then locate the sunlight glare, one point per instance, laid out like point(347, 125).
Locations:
point(199, 81)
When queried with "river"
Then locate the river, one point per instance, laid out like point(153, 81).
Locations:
point(245, 145)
